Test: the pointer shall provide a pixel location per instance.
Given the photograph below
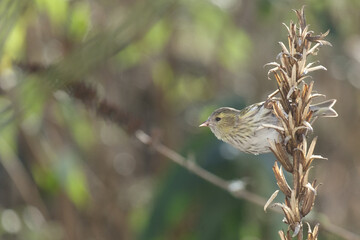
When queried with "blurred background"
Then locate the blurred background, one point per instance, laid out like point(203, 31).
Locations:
point(68, 172)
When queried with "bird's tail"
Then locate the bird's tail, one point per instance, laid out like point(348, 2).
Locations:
point(324, 109)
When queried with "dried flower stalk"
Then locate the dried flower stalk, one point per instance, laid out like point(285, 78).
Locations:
point(293, 110)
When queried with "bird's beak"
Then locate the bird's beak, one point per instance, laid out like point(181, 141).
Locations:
point(204, 124)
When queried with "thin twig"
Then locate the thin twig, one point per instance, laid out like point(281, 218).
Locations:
point(191, 165)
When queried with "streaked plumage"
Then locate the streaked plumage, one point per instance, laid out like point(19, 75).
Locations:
point(244, 128)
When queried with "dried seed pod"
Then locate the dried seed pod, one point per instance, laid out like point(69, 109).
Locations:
point(281, 181)
point(295, 114)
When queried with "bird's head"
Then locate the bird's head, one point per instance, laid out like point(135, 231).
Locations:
point(222, 121)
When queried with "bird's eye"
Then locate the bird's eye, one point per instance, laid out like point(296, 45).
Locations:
point(217, 119)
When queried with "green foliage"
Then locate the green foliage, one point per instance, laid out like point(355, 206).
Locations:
point(71, 176)
point(78, 124)
point(8, 129)
point(235, 49)
point(183, 89)
point(32, 98)
point(76, 186)
point(152, 43)
point(156, 38)
point(57, 10)
point(8, 146)
point(79, 22)
point(46, 180)
point(129, 57)
point(15, 43)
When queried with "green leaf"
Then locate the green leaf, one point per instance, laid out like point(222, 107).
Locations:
point(76, 186)
point(15, 42)
point(56, 9)
point(70, 174)
point(79, 20)
point(45, 179)
point(76, 119)
point(235, 49)
point(129, 57)
point(156, 38)
point(32, 97)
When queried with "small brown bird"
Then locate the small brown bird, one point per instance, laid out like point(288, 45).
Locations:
point(244, 129)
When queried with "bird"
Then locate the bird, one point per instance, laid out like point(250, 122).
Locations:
point(247, 129)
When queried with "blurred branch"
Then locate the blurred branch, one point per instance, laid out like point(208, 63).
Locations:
point(22, 180)
point(235, 188)
point(89, 97)
point(10, 11)
point(105, 45)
